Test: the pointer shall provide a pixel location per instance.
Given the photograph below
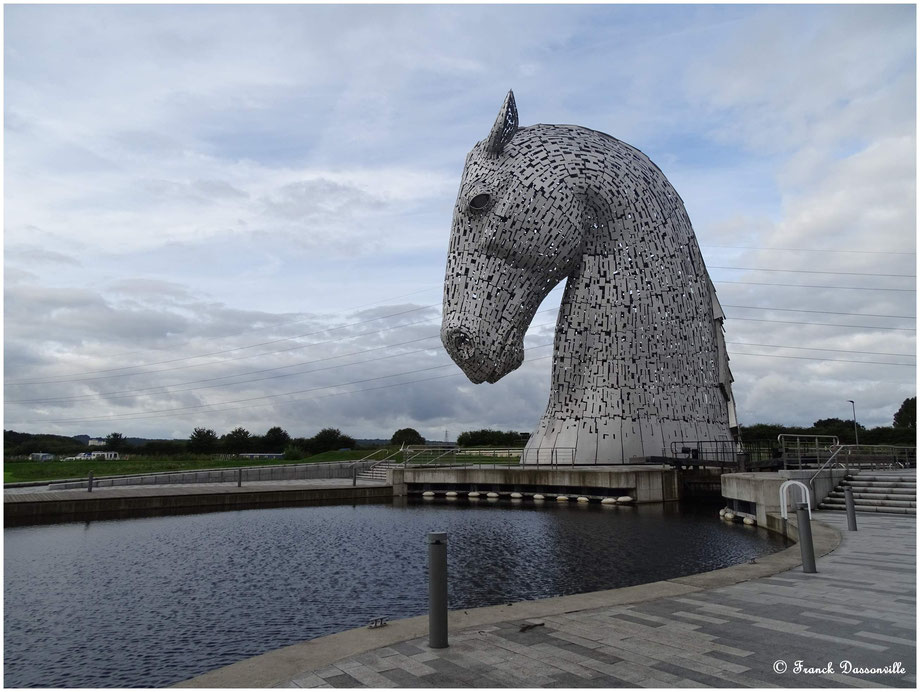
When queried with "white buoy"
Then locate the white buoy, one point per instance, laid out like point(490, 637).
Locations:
point(516, 496)
point(623, 499)
point(538, 496)
point(474, 494)
point(451, 493)
point(491, 494)
point(750, 522)
point(723, 511)
point(729, 516)
point(609, 501)
point(583, 499)
point(561, 498)
point(428, 493)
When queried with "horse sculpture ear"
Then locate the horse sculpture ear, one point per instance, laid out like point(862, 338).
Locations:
point(506, 124)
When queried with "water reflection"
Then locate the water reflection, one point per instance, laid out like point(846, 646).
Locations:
point(152, 601)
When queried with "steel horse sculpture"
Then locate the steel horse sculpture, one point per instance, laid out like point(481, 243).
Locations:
point(639, 356)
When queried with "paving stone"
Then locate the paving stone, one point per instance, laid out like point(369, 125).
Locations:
point(725, 637)
point(403, 678)
point(343, 680)
point(309, 680)
point(406, 649)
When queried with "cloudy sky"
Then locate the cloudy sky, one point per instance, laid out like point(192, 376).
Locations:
point(229, 216)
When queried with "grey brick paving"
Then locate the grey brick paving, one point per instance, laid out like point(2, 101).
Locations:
point(860, 607)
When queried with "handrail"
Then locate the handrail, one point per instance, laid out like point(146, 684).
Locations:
point(380, 461)
point(784, 502)
point(829, 460)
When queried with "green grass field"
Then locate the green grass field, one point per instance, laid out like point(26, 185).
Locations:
point(27, 471)
point(24, 471)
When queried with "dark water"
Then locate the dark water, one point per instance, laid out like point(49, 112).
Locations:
point(149, 602)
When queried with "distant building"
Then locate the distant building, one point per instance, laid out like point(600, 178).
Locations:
point(41, 456)
point(96, 442)
point(109, 456)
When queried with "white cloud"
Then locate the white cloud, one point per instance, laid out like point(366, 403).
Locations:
point(189, 179)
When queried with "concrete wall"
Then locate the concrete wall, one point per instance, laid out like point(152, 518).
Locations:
point(282, 472)
point(645, 484)
point(93, 505)
point(763, 488)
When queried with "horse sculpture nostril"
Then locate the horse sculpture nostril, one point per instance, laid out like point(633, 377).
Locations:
point(462, 344)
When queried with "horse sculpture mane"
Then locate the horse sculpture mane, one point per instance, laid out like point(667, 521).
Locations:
point(639, 357)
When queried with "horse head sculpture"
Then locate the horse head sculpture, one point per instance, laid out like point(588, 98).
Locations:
point(639, 357)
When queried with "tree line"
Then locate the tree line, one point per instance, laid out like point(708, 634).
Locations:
point(276, 440)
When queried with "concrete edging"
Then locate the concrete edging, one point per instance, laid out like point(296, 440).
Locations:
point(281, 665)
point(71, 507)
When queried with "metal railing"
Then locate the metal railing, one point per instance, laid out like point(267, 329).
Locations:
point(806, 451)
point(493, 452)
point(827, 463)
point(556, 456)
point(430, 457)
point(377, 462)
point(873, 457)
point(279, 472)
point(706, 452)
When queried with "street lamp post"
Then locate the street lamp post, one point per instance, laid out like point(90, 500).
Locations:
point(855, 427)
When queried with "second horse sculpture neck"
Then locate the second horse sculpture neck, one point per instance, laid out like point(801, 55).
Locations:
point(639, 360)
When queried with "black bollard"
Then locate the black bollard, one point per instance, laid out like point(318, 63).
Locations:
point(805, 541)
point(89, 483)
point(354, 475)
point(437, 590)
point(239, 479)
point(851, 508)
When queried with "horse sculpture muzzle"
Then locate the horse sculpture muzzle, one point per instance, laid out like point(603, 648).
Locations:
point(478, 357)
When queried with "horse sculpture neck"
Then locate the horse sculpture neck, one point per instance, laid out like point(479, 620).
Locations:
point(639, 360)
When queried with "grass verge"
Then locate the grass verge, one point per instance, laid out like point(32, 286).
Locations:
point(26, 471)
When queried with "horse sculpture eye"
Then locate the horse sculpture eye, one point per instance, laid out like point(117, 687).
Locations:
point(480, 201)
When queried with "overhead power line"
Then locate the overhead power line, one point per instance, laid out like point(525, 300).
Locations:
point(823, 324)
point(58, 379)
point(812, 271)
point(174, 388)
point(821, 250)
point(813, 348)
point(73, 377)
point(263, 343)
point(184, 409)
point(826, 360)
point(818, 312)
point(222, 407)
point(834, 288)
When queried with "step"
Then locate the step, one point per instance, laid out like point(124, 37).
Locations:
point(879, 484)
point(878, 510)
point(876, 490)
point(841, 497)
point(867, 502)
point(910, 480)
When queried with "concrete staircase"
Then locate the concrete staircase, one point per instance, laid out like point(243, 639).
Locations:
point(889, 492)
point(377, 472)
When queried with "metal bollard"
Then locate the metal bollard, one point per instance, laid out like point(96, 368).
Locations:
point(354, 475)
point(239, 480)
point(437, 590)
point(89, 483)
point(805, 542)
point(851, 508)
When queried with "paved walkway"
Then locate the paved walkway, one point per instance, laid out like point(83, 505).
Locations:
point(860, 608)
